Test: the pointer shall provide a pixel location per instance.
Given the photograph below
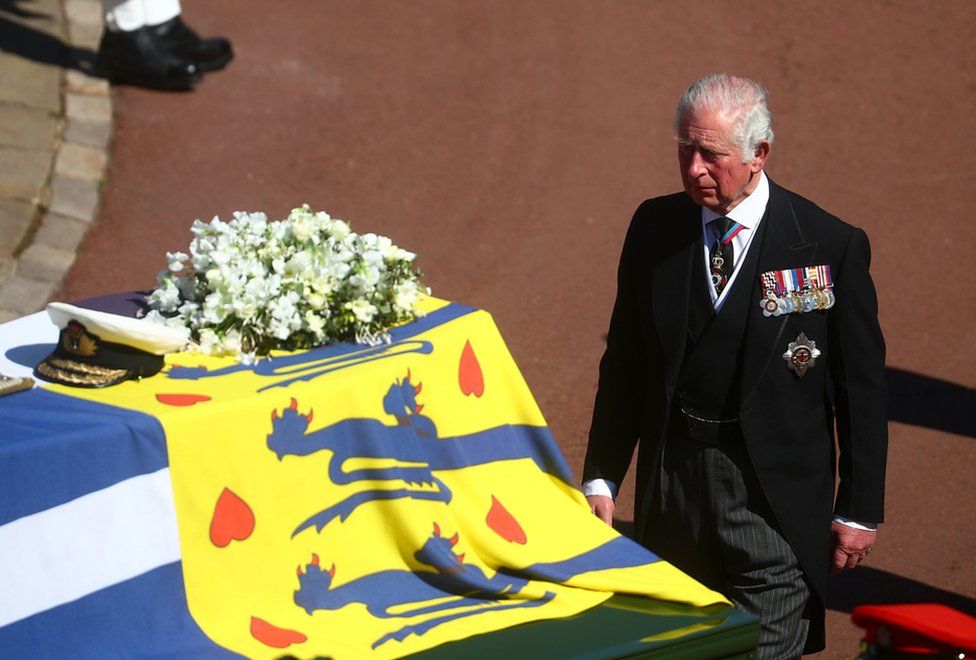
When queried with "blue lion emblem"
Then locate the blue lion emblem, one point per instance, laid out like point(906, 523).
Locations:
point(455, 585)
point(413, 447)
point(444, 575)
point(401, 402)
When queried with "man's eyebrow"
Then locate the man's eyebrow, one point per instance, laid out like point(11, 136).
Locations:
point(703, 146)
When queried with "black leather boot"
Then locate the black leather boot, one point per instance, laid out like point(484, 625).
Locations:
point(135, 58)
point(179, 39)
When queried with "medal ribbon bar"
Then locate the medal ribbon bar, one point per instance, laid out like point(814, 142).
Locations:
point(791, 290)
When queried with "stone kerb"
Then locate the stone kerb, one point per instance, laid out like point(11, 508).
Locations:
point(53, 155)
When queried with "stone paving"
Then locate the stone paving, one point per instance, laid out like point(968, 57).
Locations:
point(55, 130)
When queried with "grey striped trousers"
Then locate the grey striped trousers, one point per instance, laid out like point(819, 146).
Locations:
point(711, 520)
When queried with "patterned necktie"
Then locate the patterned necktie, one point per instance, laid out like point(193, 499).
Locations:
point(721, 256)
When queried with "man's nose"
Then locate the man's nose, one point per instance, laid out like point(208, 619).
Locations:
point(696, 166)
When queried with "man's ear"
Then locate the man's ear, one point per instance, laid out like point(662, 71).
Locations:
point(759, 161)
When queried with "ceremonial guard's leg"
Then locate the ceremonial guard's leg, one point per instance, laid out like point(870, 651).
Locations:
point(146, 43)
point(179, 39)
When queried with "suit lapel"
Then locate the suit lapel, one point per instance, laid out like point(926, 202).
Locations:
point(672, 286)
point(701, 311)
point(783, 246)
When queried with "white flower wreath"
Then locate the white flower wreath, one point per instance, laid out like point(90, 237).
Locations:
point(252, 285)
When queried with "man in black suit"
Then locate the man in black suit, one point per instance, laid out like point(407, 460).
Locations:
point(744, 331)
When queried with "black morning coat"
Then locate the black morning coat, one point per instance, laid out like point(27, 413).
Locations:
point(788, 422)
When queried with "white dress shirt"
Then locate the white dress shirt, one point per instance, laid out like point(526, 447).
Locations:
point(748, 213)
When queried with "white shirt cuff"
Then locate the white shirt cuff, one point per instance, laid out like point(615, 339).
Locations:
point(600, 487)
point(867, 527)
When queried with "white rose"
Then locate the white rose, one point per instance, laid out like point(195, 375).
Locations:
point(373, 257)
point(405, 297)
point(209, 342)
point(362, 310)
point(339, 271)
point(167, 296)
point(315, 323)
point(340, 229)
point(301, 230)
point(175, 261)
point(231, 342)
point(189, 311)
point(316, 301)
point(385, 246)
point(344, 253)
point(297, 265)
point(321, 283)
point(280, 330)
point(400, 254)
point(244, 307)
point(221, 257)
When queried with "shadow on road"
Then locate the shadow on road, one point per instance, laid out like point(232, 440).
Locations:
point(871, 586)
point(13, 8)
point(936, 404)
point(32, 44)
point(932, 403)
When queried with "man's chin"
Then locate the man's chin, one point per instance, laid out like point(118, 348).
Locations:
point(706, 198)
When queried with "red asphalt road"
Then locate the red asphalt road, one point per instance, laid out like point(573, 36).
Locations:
point(508, 143)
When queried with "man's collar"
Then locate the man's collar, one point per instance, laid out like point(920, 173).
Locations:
point(749, 211)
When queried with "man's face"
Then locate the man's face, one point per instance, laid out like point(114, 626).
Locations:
point(711, 166)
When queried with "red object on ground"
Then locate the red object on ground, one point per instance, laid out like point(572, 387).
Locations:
point(917, 628)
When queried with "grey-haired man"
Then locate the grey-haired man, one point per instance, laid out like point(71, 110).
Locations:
point(736, 299)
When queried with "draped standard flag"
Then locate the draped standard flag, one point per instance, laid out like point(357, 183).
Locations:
point(346, 501)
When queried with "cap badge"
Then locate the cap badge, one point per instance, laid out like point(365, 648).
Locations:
point(78, 341)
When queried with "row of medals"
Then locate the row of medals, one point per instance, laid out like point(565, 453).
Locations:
point(797, 301)
point(807, 300)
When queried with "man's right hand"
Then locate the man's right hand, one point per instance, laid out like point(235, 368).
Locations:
point(602, 507)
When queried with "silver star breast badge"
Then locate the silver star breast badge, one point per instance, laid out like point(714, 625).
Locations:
point(801, 354)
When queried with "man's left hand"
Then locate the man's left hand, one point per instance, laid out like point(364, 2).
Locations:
point(602, 507)
point(849, 546)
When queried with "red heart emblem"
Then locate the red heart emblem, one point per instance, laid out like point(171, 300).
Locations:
point(274, 636)
point(181, 399)
point(470, 378)
point(504, 524)
point(232, 520)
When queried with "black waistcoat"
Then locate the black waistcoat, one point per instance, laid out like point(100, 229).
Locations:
point(708, 383)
